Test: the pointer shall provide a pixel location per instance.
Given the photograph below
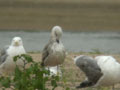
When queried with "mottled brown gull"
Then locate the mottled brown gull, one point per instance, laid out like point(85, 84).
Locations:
point(54, 52)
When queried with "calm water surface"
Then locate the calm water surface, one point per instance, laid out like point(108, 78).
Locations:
point(107, 42)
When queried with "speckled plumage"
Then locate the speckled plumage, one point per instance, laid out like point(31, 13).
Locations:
point(54, 52)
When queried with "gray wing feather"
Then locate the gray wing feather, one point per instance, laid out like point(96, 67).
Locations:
point(46, 52)
point(4, 54)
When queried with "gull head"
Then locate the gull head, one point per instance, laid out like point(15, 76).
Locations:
point(81, 60)
point(77, 58)
point(56, 33)
point(17, 41)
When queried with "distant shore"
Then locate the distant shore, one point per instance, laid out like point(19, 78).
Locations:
point(78, 15)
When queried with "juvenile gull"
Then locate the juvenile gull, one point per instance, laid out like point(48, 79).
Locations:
point(101, 71)
point(6, 58)
point(54, 52)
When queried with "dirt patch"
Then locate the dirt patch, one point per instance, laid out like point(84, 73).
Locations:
point(72, 75)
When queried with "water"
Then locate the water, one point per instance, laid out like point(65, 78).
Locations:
point(107, 42)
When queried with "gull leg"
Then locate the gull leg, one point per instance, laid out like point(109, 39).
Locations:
point(57, 70)
point(113, 87)
point(49, 71)
point(49, 68)
point(58, 73)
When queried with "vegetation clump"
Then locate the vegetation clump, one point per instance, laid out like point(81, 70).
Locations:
point(31, 77)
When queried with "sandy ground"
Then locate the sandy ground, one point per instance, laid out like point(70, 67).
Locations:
point(72, 76)
point(79, 15)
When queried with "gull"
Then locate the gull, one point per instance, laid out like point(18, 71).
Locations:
point(54, 52)
point(7, 54)
point(99, 71)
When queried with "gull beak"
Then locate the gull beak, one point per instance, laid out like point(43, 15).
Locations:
point(16, 43)
point(57, 40)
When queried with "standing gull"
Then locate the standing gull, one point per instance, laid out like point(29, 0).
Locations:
point(7, 54)
point(101, 71)
point(54, 52)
